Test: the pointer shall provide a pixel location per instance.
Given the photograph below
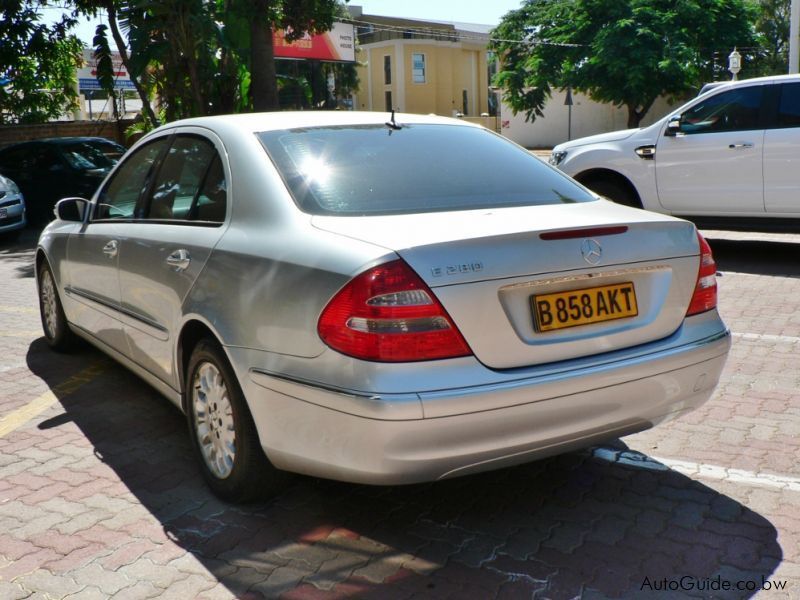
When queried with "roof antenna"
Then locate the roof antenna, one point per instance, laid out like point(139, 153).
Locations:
point(392, 124)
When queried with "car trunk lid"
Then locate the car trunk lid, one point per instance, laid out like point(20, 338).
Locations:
point(506, 276)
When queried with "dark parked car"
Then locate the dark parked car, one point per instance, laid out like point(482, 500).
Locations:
point(50, 169)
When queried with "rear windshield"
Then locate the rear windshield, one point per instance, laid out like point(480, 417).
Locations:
point(376, 170)
point(86, 155)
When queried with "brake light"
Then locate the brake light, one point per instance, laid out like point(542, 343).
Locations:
point(705, 290)
point(389, 314)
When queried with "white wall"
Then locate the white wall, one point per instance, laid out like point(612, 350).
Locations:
point(588, 118)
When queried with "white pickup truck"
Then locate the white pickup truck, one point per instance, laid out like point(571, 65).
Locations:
point(731, 157)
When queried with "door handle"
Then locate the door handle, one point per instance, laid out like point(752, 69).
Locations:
point(179, 260)
point(111, 249)
point(741, 145)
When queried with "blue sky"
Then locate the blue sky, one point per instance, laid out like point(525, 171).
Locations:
point(485, 12)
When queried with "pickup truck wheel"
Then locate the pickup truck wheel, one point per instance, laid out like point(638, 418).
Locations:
point(614, 191)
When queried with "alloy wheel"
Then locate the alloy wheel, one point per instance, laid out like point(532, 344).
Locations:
point(49, 304)
point(213, 420)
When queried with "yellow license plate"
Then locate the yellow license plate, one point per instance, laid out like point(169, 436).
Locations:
point(582, 307)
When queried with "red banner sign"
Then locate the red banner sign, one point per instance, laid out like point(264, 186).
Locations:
point(338, 44)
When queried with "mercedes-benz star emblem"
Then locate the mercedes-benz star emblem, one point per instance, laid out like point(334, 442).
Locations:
point(592, 251)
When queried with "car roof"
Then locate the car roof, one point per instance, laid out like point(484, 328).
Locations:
point(272, 121)
point(716, 85)
point(76, 139)
point(710, 86)
point(60, 141)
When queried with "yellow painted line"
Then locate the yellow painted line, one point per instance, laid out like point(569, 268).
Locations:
point(34, 408)
point(18, 309)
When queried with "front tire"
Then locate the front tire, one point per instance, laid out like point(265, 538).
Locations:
point(614, 191)
point(222, 430)
point(54, 323)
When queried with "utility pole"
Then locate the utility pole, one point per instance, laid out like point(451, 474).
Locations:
point(568, 102)
point(794, 33)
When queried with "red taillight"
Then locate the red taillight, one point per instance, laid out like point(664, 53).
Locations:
point(389, 314)
point(705, 290)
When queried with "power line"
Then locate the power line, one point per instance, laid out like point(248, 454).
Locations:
point(454, 35)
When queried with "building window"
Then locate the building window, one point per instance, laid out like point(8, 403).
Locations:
point(387, 69)
point(492, 67)
point(418, 67)
point(388, 96)
point(464, 103)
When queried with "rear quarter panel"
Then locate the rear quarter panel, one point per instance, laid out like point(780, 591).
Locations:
point(271, 274)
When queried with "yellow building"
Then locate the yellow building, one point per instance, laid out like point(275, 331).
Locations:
point(422, 67)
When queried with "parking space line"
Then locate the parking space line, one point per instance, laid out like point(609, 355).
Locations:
point(34, 408)
point(765, 337)
point(633, 458)
point(31, 333)
point(17, 309)
point(704, 471)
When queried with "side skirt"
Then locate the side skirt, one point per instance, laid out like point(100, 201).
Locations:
point(154, 382)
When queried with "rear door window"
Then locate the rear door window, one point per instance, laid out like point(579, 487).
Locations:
point(190, 184)
point(789, 106)
point(211, 202)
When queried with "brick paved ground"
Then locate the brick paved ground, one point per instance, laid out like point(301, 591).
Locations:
point(100, 498)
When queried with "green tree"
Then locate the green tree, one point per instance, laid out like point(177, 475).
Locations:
point(37, 65)
point(772, 28)
point(297, 17)
point(204, 57)
point(162, 39)
point(623, 52)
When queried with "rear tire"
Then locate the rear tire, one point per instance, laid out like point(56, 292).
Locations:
point(614, 191)
point(222, 430)
point(54, 323)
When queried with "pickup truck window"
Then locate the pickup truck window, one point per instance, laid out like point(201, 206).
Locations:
point(734, 110)
point(789, 107)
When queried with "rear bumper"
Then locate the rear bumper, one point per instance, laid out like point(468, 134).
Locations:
point(379, 441)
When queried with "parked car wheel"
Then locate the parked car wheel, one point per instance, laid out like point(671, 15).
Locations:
point(613, 191)
point(222, 429)
point(54, 323)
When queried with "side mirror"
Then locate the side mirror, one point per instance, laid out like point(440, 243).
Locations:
point(673, 127)
point(71, 209)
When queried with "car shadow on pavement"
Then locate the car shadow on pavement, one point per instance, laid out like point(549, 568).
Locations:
point(20, 250)
point(610, 523)
point(757, 257)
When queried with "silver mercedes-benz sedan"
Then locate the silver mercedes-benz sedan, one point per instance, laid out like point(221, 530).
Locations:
point(379, 299)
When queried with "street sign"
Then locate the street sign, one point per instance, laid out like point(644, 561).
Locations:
point(87, 75)
point(93, 84)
